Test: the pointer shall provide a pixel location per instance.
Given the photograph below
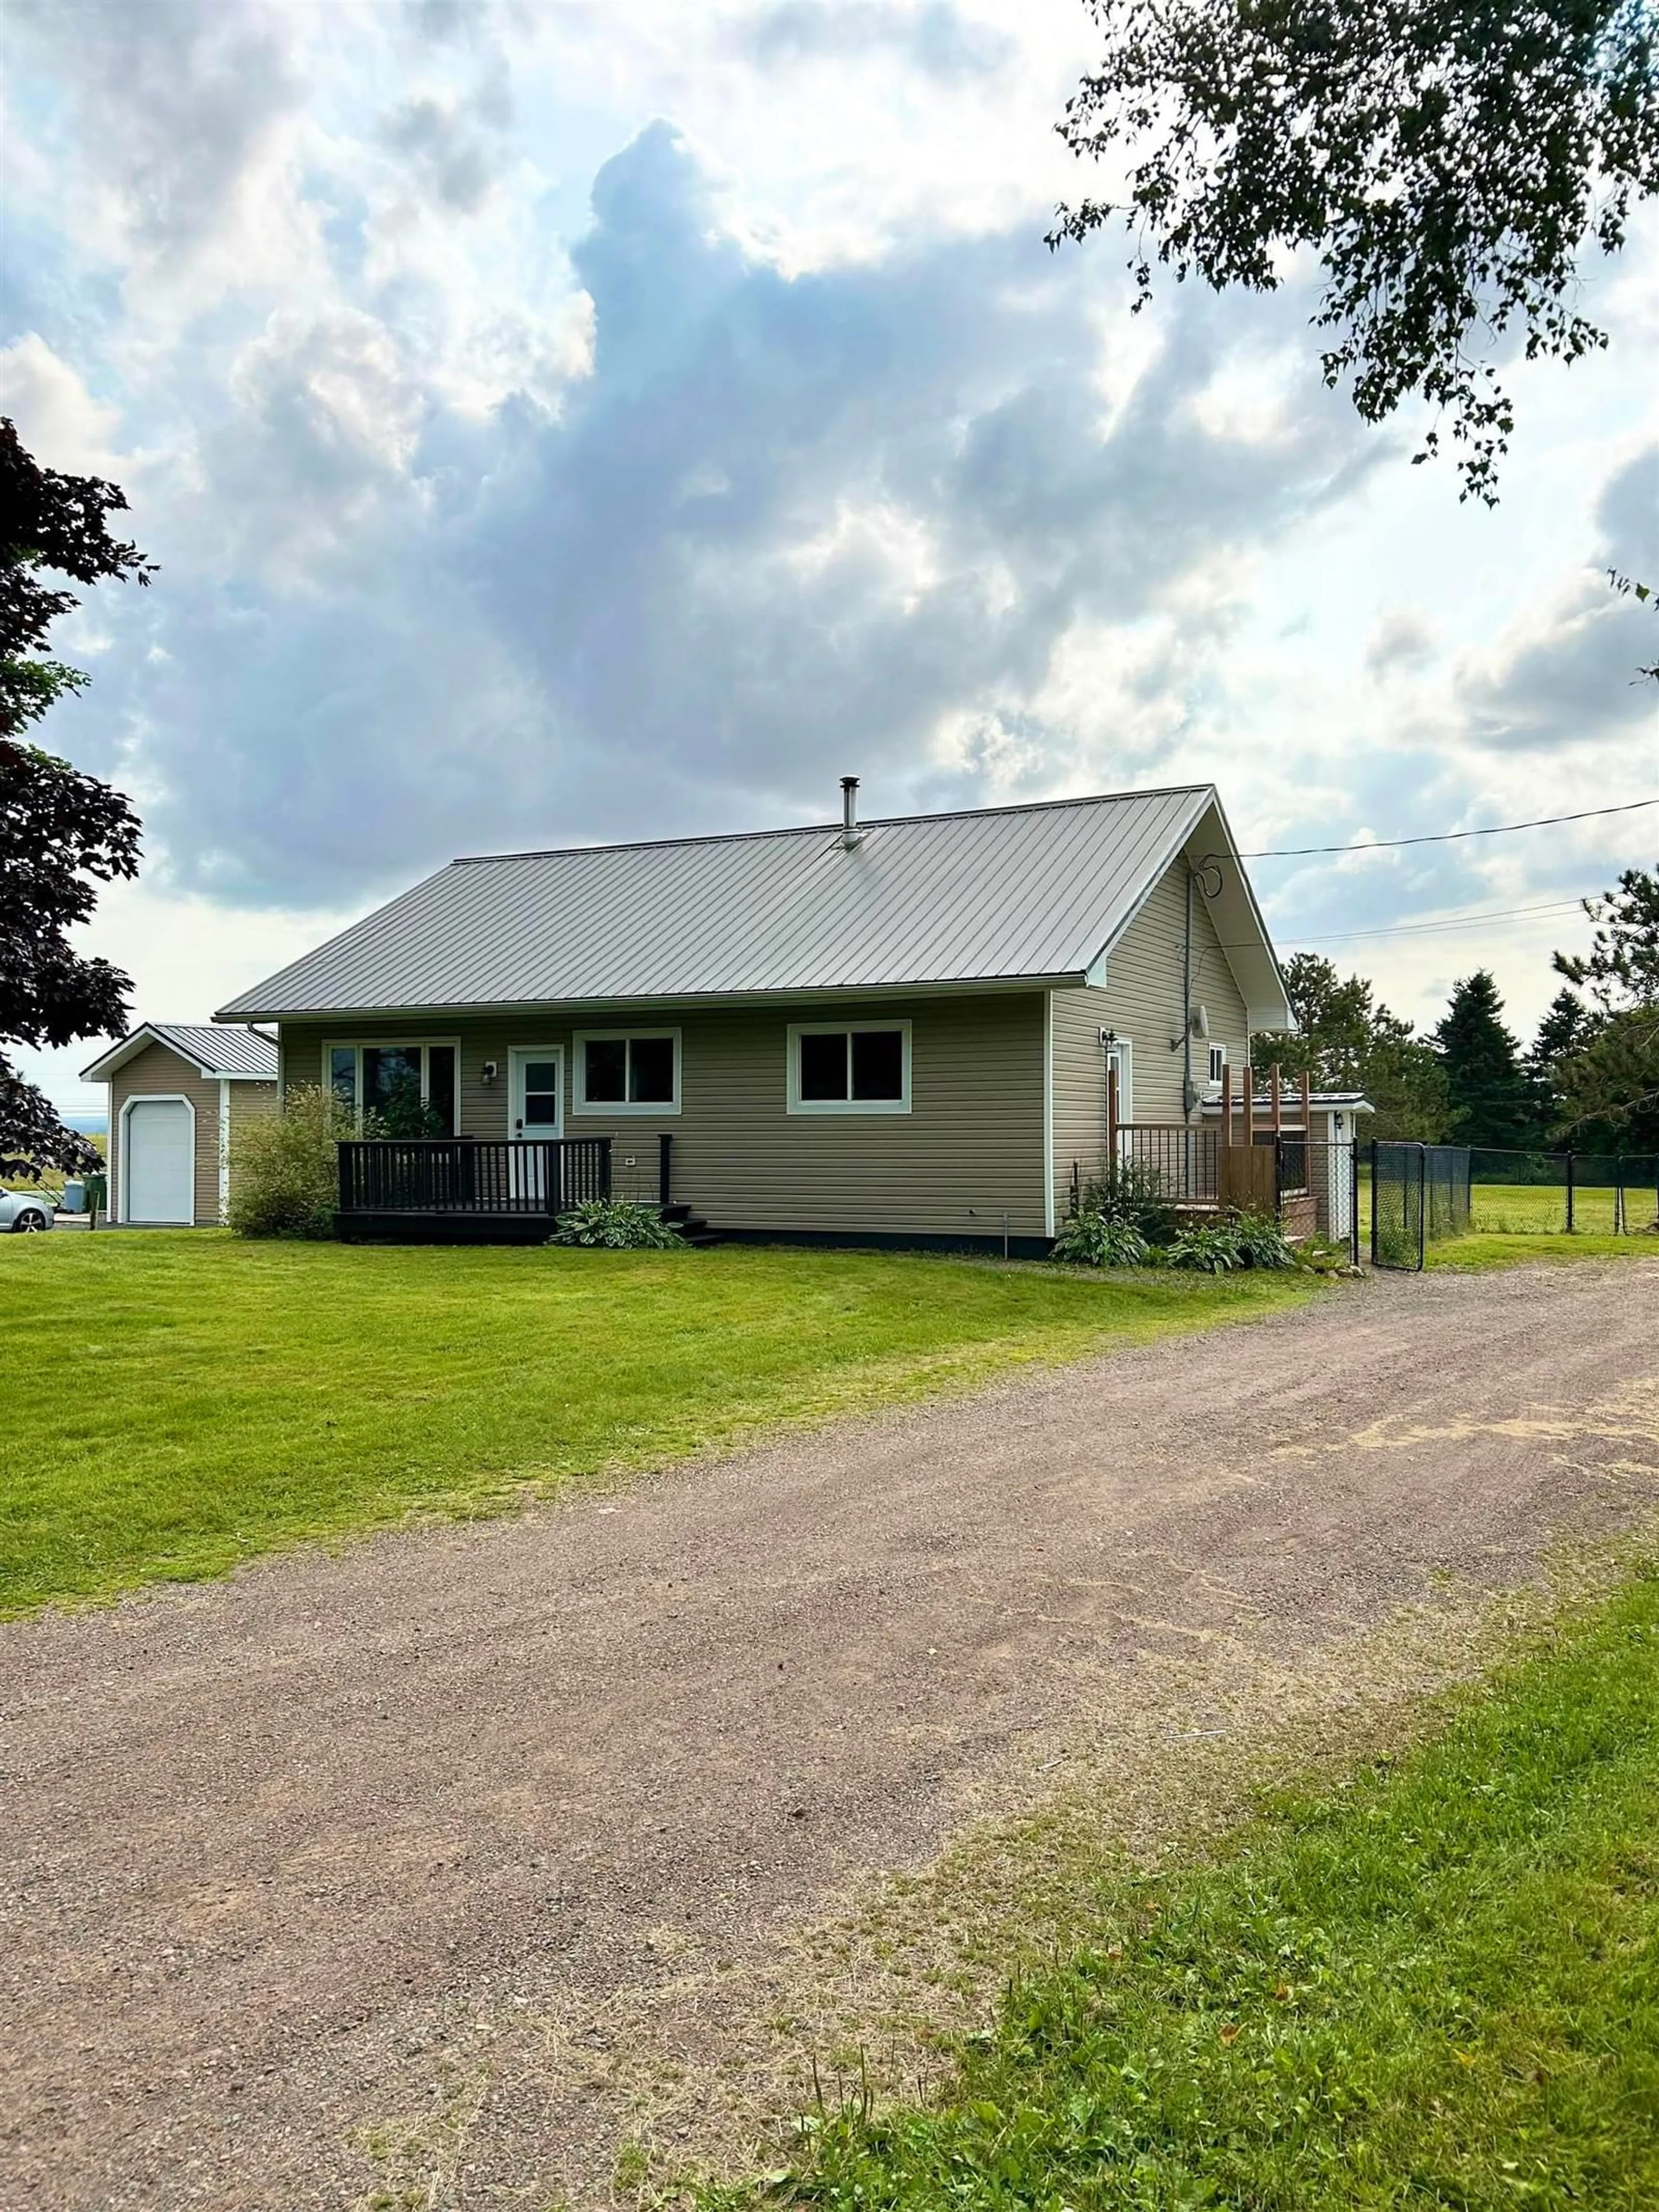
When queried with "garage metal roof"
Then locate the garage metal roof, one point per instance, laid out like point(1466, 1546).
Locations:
point(985, 897)
point(244, 1055)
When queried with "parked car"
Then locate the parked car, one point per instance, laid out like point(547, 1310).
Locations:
point(25, 1211)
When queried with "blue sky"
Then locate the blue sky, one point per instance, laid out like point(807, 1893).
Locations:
point(561, 421)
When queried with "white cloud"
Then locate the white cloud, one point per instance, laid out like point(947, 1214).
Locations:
point(521, 466)
point(65, 421)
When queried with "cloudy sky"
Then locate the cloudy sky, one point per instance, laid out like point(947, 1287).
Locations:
point(563, 422)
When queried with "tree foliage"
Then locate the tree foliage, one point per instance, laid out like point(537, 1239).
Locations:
point(1601, 1059)
point(1490, 1099)
point(1346, 1039)
point(1450, 162)
point(61, 834)
point(1622, 969)
point(56, 523)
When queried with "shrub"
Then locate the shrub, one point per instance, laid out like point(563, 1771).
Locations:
point(1132, 1193)
point(1210, 1247)
point(1094, 1240)
point(1262, 1241)
point(285, 1167)
point(617, 1224)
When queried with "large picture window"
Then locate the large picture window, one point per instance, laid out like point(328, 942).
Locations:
point(628, 1072)
point(410, 1090)
point(850, 1067)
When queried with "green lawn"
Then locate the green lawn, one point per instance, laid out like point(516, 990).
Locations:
point(1512, 1224)
point(180, 1401)
point(1437, 1985)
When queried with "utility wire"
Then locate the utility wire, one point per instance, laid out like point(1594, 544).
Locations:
point(1450, 921)
point(1443, 837)
point(1413, 928)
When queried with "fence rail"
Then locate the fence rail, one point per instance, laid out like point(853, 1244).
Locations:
point(461, 1175)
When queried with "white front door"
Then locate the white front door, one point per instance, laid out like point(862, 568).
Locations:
point(535, 1108)
point(161, 1161)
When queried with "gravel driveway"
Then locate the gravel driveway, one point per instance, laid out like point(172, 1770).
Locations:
point(272, 1849)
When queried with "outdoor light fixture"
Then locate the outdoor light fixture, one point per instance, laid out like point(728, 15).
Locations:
point(487, 1073)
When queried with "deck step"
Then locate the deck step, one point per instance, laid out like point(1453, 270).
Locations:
point(693, 1228)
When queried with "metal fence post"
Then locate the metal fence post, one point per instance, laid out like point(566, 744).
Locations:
point(1374, 1195)
point(1422, 1202)
point(1619, 1194)
point(1571, 1156)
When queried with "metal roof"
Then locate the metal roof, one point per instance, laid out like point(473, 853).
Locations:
point(990, 896)
point(238, 1054)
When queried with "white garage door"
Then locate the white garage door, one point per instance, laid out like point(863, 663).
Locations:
point(161, 1161)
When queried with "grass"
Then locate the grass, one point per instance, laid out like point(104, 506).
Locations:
point(182, 1402)
point(1516, 1224)
point(1434, 1984)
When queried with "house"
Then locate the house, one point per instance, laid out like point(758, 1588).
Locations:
point(178, 1092)
point(893, 1031)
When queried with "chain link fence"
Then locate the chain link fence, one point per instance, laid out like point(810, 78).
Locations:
point(1420, 1195)
point(1533, 1194)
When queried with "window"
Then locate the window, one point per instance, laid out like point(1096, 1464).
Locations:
point(861, 1068)
point(628, 1072)
point(411, 1090)
point(1217, 1062)
point(1119, 1061)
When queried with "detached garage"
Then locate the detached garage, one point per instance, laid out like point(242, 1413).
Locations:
point(177, 1092)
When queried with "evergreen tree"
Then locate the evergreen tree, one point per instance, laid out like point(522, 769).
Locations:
point(1566, 1028)
point(1348, 1042)
point(1487, 1090)
point(1606, 1074)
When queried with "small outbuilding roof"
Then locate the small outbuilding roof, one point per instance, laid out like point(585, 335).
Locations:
point(997, 895)
point(237, 1056)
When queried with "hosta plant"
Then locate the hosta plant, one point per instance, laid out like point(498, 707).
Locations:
point(1210, 1247)
point(1091, 1239)
point(616, 1224)
point(1262, 1241)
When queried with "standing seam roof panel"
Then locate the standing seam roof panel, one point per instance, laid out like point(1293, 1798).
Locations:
point(990, 896)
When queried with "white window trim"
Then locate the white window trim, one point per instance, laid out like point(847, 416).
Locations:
point(605, 1108)
point(154, 1099)
point(860, 1106)
point(360, 1045)
point(1123, 1051)
point(1213, 1078)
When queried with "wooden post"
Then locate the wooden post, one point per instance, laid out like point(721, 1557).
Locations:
point(1226, 1102)
point(1249, 1104)
point(1276, 1097)
point(1307, 1105)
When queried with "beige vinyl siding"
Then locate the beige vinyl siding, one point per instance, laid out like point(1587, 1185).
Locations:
point(1141, 1000)
point(970, 1148)
point(250, 1101)
point(157, 1071)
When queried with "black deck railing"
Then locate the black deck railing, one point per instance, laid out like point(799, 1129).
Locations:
point(1180, 1155)
point(501, 1178)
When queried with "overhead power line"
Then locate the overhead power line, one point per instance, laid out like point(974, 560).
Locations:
point(1465, 920)
point(1444, 836)
point(1450, 921)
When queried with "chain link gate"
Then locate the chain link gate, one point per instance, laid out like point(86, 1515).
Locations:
point(1420, 1194)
